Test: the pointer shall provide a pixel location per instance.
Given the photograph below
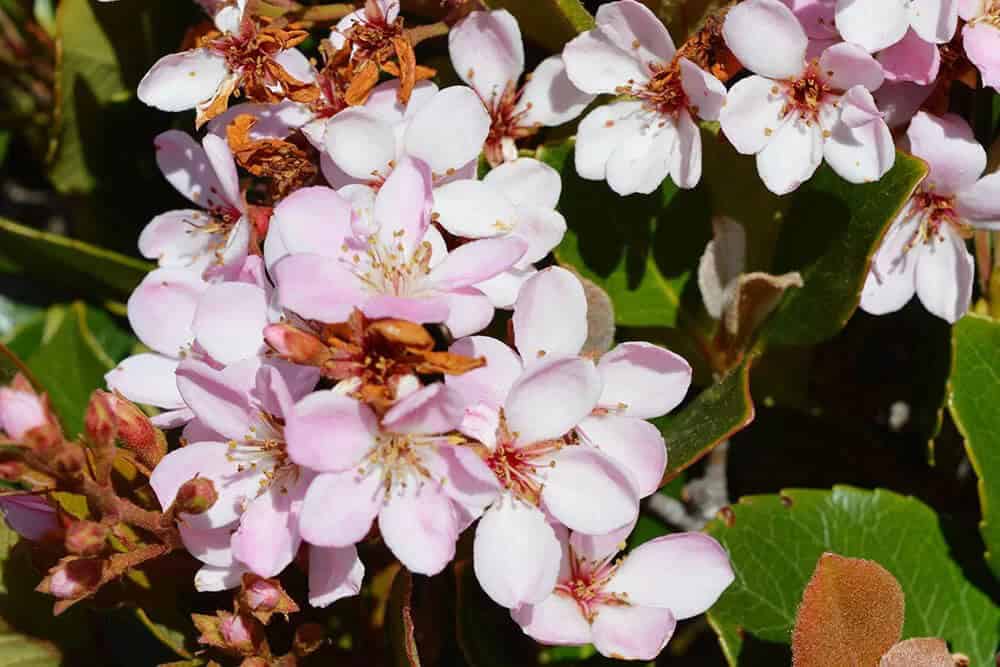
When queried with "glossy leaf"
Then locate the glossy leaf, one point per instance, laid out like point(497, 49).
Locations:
point(975, 393)
point(70, 263)
point(550, 23)
point(486, 634)
point(774, 542)
point(717, 413)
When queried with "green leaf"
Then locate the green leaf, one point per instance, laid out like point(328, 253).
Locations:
point(70, 360)
point(684, 17)
point(973, 400)
point(642, 250)
point(774, 542)
point(829, 234)
point(550, 23)
point(69, 263)
point(486, 634)
point(715, 415)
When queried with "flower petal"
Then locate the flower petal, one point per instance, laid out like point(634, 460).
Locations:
point(955, 157)
point(268, 537)
point(488, 384)
point(314, 219)
point(859, 154)
point(589, 492)
point(477, 260)
point(469, 311)
point(792, 156)
point(433, 409)
point(487, 52)
point(229, 321)
point(685, 165)
point(643, 380)
point(911, 59)
point(402, 209)
point(934, 20)
point(891, 281)
point(148, 379)
point(945, 273)
point(474, 209)
point(334, 573)
point(516, 555)
point(339, 508)
point(846, 65)
point(751, 115)
point(180, 81)
point(552, 397)
point(220, 399)
point(330, 432)
point(541, 330)
point(420, 526)
point(449, 131)
point(980, 202)
point(706, 94)
point(766, 37)
point(873, 24)
point(162, 307)
point(600, 133)
point(317, 287)
point(982, 46)
point(212, 546)
point(187, 167)
point(360, 143)
point(634, 28)
point(634, 444)
point(526, 182)
point(643, 160)
point(549, 98)
point(631, 632)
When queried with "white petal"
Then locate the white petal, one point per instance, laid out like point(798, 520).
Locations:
point(766, 37)
point(549, 97)
point(449, 131)
point(751, 114)
point(180, 81)
point(792, 156)
point(541, 330)
point(945, 273)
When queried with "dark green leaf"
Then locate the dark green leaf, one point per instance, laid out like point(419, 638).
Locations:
point(487, 635)
point(774, 542)
point(70, 361)
point(69, 263)
point(717, 413)
point(973, 401)
point(550, 23)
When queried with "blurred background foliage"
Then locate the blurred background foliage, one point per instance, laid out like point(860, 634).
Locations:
point(835, 396)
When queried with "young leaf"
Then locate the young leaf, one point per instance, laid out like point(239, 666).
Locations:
point(921, 652)
point(851, 607)
point(69, 263)
point(774, 542)
point(975, 393)
point(717, 413)
point(550, 23)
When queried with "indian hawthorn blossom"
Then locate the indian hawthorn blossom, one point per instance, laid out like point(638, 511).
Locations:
point(635, 142)
point(981, 37)
point(627, 606)
point(487, 53)
point(793, 113)
point(924, 251)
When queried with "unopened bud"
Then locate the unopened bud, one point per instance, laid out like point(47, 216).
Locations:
point(73, 579)
point(262, 595)
point(86, 538)
point(25, 416)
point(235, 631)
point(100, 422)
point(136, 432)
point(295, 345)
point(196, 496)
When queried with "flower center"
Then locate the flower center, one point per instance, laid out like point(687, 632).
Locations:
point(586, 581)
point(932, 211)
point(397, 459)
point(804, 96)
point(390, 269)
point(520, 468)
point(507, 125)
point(263, 450)
point(991, 13)
point(664, 92)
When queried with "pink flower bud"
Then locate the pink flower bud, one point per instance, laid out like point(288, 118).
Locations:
point(20, 411)
point(75, 578)
point(196, 496)
point(86, 538)
point(100, 422)
point(136, 432)
point(234, 631)
point(295, 345)
point(262, 595)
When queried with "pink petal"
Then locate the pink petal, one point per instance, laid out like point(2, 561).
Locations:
point(683, 572)
point(339, 508)
point(31, 517)
point(491, 383)
point(220, 400)
point(148, 379)
point(211, 460)
point(329, 432)
point(766, 37)
point(685, 166)
point(211, 579)
point(475, 261)
point(556, 620)
point(274, 121)
point(211, 546)
point(706, 94)
point(541, 330)
point(847, 65)
point(487, 53)
point(541, 229)
point(858, 108)
point(549, 98)
point(469, 311)
point(403, 206)
point(317, 287)
point(432, 409)
point(449, 131)
point(599, 547)
point(636, 445)
point(643, 380)
point(187, 167)
point(934, 20)
point(268, 537)
point(295, 63)
point(184, 80)
point(464, 475)
point(632, 633)
point(891, 282)
point(516, 555)
point(589, 492)
point(945, 274)
point(900, 101)
point(473, 209)
point(595, 64)
point(526, 182)
point(633, 28)
point(162, 308)
point(502, 290)
point(970, 9)
point(314, 219)
point(792, 155)
point(911, 59)
point(861, 154)
point(816, 17)
point(175, 240)
point(980, 202)
point(600, 133)
point(946, 143)
point(643, 160)
point(334, 573)
point(229, 321)
point(751, 115)
point(873, 24)
point(360, 143)
point(551, 398)
point(224, 165)
point(419, 524)
point(982, 46)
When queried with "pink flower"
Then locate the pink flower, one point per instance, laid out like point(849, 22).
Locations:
point(981, 37)
point(792, 113)
point(634, 144)
point(407, 471)
point(388, 261)
point(487, 53)
point(924, 250)
point(211, 239)
point(911, 59)
point(20, 411)
point(877, 24)
point(565, 440)
point(817, 18)
point(627, 608)
point(445, 129)
point(515, 200)
point(31, 517)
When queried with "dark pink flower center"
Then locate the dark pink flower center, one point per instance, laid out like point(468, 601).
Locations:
point(586, 584)
point(805, 95)
point(520, 468)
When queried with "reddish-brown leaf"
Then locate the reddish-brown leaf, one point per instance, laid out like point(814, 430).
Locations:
point(918, 652)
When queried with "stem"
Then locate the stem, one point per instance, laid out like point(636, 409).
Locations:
point(419, 33)
point(327, 13)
